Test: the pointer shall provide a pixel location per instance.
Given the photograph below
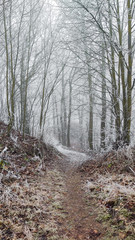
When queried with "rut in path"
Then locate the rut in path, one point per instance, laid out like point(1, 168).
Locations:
point(80, 221)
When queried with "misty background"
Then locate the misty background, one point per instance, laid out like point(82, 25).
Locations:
point(67, 71)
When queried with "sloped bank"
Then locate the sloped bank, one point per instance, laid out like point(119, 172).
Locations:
point(28, 194)
point(46, 195)
point(110, 180)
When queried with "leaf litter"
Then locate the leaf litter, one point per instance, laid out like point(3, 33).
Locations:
point(39, 201)
point(110, 182)
point(29, 197)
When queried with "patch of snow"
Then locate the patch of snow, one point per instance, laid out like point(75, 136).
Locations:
point(90, 185)
point(111, 186)
point(116, 188)
point(72, 156)
point(36, 158)
point(51, 140)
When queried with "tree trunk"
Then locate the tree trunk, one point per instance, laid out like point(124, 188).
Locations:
point(63, 113)
point(90, 134)
point(115, 88)
point(129, 74)
point(103, 115)
point(69, 114)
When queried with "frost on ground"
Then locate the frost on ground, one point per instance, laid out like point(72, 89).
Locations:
point(37, 203)
point(76, 158)
point(113, 185)
point(110, 181)
point(31, 208)
point(116, 184)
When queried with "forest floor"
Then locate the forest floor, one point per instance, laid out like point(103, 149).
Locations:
point(48, 195)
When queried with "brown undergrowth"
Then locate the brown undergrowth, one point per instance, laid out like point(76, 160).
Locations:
point(110, 180)
point(29, 187)
point(43, 197)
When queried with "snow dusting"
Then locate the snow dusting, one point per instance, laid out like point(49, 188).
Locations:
point(74, 157)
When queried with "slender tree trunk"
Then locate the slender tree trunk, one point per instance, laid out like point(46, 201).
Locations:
point(54, 118)
point(58, 121)
point(69, 114)
point(81, 127)
point(103, 115)
point(13, 80)
point(90, 134)
point(115, 88)
point(30, 44)
point(25, 110)
point(42, 102)
point(121, 72)
point(7, 69)
point(63, 113)
point(129, 74)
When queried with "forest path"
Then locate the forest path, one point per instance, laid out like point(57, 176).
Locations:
point(80, 211)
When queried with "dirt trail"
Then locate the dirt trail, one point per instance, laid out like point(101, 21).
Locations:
point(48, 201)
point(80, 223)
point(81, 215)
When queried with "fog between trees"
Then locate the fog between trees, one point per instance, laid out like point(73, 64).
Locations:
point(67, 70)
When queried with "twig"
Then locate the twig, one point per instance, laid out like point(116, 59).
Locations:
point(132, 170)
point(4, 150)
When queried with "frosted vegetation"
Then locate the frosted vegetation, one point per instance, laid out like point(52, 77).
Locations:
point(67, 71)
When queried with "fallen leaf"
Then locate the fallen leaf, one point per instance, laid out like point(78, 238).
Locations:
point(122, 235)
